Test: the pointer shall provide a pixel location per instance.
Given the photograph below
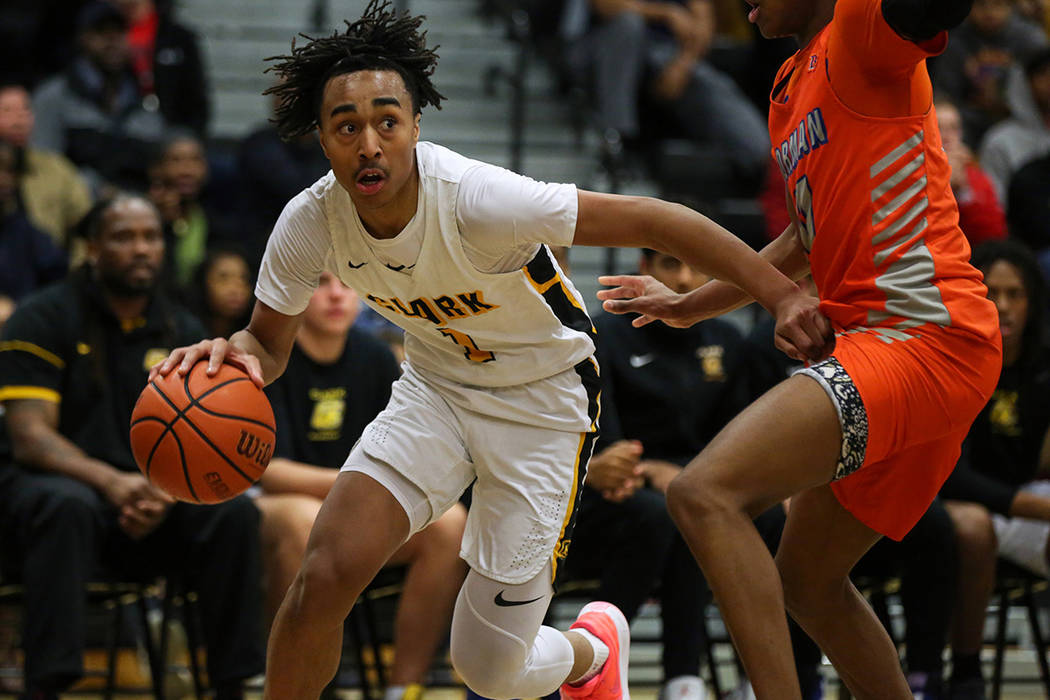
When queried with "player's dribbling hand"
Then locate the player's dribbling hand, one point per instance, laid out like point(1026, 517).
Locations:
point(217, 350)
point(643, 295)
point(803, 333)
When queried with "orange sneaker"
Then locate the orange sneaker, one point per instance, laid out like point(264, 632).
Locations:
point(607, 623)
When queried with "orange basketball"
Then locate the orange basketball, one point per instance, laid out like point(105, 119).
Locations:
point(203, 439)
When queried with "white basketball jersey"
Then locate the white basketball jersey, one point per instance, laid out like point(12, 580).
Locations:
point(476, 328)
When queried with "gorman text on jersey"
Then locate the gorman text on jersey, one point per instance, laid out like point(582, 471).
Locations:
point(809, 135)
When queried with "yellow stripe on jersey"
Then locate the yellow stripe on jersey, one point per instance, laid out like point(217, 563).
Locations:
point(33, 349)
point(9, 393)
point(560, 549)
point(556, 280)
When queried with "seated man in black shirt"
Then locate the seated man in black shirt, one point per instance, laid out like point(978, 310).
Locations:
point(338, 378)
point(73, 360)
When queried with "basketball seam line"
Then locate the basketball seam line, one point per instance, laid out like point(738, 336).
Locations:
point(195, 401)
point(156, 443)
point(182, 414)
point(168, 427)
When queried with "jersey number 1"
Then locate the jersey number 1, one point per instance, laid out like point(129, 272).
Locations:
point(470, 349)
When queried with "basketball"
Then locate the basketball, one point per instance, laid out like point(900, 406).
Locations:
point(203, 439)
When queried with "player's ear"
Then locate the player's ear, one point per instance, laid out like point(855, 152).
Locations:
point(415, 127)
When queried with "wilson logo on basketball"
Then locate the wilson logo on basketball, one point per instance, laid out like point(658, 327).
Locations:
point(216, 484)
point(252, 447)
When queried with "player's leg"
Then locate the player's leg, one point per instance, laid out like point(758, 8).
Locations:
point(432, 582)
point(978, 550)
point(788, 441)
point(502, 650)
point(521, 520)
point(821, 543)
point(286, 521)
point(357, 529)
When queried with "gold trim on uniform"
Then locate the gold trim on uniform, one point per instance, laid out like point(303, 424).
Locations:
point(562, 547)
point(10, 393)
point(33, 349)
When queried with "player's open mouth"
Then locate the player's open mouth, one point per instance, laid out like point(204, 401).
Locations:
point(370, 181)
point(752, 16)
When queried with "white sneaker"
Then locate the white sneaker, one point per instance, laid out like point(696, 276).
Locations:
point(684, 688)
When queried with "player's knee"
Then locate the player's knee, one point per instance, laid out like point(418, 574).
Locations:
point(326, 584)
point(690, 499)
point(489, 671)
point(974, 531)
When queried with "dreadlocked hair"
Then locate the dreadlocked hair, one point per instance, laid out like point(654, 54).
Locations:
point(381, 40)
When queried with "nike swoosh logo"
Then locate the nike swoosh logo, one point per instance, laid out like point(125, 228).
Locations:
point(640, 360)
point(504, 603)
point(400, 268)
point(353, 266)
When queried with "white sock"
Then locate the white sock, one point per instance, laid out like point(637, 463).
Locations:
point(601, 653)
point(394, 692)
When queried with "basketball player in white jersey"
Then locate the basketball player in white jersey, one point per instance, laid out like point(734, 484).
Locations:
point(500, 387)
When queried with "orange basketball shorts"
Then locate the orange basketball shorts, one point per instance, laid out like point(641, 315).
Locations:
point(906, 400)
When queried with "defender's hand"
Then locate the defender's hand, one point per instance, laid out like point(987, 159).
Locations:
point(643, 295)
point(802, 332)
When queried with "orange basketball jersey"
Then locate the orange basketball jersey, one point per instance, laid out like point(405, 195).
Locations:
point(855, 136)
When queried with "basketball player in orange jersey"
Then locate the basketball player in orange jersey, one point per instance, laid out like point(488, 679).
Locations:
point(859, 442)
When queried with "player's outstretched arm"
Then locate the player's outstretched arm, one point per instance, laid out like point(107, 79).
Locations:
point(261, 349)
point(644, 295)
point(802, 332)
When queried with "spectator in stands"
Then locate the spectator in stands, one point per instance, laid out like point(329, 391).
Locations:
point(93, 112)
point(178, 176)
point(28, 257)
point(626, 51)
point(167, 62)
point(338, 378)
point(1024, 136)
point(981, 216)
point(54, 195)
point(997, 506)
point(1029, 208)
point(75, 359)
point(273, 171)
point(974, 68)
point(221, 291)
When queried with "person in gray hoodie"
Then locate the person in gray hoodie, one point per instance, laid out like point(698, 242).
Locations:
point(1026, 134)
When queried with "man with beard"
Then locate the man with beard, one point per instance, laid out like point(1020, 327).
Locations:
point(73, 359)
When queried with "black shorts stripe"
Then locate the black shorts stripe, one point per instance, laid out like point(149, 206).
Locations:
point(588, 371)
point(546, 279)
